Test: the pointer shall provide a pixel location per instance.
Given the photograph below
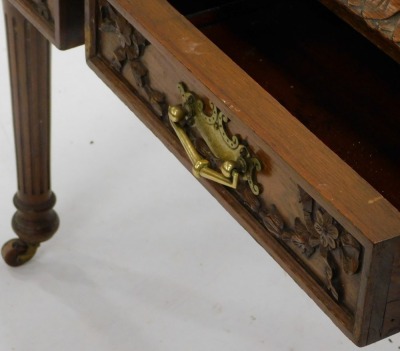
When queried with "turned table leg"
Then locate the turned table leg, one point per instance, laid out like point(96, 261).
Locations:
point(29, 58)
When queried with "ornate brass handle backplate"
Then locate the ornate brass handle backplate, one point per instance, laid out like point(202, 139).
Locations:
point(235, 158)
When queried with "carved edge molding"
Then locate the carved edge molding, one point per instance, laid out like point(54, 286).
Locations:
point(42, 8)
point(129, 53)
point(381, 15)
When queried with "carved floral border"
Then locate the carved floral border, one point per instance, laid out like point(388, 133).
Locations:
point(129, 53)
point(316, 234)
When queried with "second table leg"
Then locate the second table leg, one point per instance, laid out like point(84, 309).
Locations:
point(29, 58)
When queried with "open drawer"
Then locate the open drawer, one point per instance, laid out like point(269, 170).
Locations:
point(295, 113)
point(60, 21)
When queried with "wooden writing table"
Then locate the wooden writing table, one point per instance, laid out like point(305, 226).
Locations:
point(285, 113)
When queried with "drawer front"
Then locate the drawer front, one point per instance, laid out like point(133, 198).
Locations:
point(322, 249)
point(60, 21)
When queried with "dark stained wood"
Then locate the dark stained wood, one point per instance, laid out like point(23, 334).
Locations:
point(29, 57)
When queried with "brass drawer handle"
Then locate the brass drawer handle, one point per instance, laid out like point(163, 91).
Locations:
point(236, 159)
point(228, 176)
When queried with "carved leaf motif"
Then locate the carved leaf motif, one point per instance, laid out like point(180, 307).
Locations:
point(301, 238)
point(107, 26)
point(157, 96)
point(306, 201)
point(119, 59)
point(380, 9)
point(139, 39)
point(350, 253)
point(310, 224)
point(287, 235)
point(125, 33)
point(129, 52)
point(274, 222)
point(133, 51)
point(330, 272)
point(139, 70)
point(121, 26)
point(251, 200)
point(318, 233)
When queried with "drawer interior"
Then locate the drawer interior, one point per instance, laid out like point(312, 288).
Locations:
point(338, 84)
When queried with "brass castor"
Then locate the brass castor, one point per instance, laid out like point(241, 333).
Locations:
point(16, 252)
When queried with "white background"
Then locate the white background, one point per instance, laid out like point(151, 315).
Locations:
point(145, 259)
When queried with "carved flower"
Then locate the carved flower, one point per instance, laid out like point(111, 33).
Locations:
point(328, 233)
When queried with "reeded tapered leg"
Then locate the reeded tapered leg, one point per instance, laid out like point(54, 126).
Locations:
point(29, 58)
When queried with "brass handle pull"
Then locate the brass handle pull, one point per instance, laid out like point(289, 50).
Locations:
point(237, 162)
point(229, 176)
